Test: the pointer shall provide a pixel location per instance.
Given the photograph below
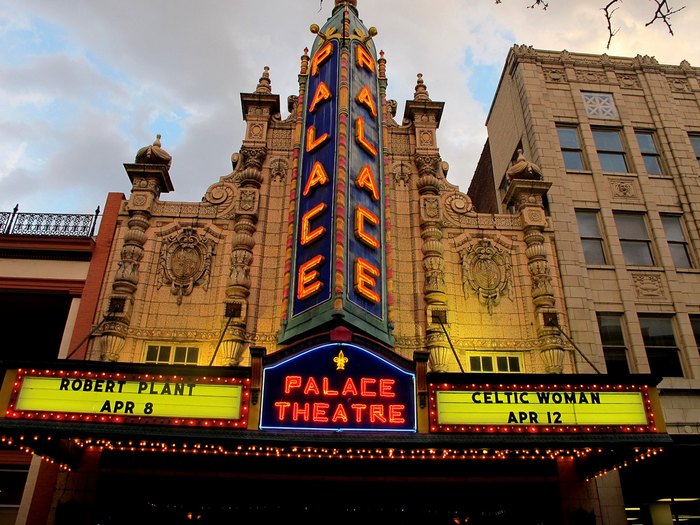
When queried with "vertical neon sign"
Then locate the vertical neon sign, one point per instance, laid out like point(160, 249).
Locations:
point(314, 238)
point(338, 268)
point(365, 248)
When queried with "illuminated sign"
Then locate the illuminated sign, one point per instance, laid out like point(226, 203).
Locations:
point(118, 398)
point(365, 250)
point(338, 386)
point(316, 205)
point(543, 409)
point(339, 231)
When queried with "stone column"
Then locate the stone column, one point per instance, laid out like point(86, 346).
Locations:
point(425, 115)
point(149, 177)
point(259, 108)
point(525, 193)
point(245, 222)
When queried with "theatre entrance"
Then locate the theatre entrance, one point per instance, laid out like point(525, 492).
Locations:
point(364, 492)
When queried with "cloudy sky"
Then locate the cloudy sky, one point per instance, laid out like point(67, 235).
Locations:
point(85, 83)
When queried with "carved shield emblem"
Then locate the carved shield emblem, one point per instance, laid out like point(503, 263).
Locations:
point(185, 261)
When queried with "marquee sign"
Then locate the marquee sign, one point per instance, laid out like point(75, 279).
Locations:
point(545, 408)
point(129, 398)
point(338, 386)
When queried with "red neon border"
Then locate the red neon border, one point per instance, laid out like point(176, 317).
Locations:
point(241, 422)
point(541, 429)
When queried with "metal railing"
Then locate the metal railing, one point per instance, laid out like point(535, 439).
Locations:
point(48, 224)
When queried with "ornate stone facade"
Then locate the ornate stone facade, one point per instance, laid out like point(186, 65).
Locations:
point(215, 274)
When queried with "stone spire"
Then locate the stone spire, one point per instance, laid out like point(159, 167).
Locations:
point(264, 82)
point(421, 92)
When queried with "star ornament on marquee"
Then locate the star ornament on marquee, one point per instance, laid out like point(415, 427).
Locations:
point(340, 361)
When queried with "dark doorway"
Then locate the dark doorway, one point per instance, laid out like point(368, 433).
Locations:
point(214, 500)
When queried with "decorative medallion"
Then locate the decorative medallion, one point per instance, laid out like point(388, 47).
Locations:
point(554, 74)
point(185, 261)
point(628, 80)
point(486, 269)
point(594, 77)
point(623, 189)
point(679, 85)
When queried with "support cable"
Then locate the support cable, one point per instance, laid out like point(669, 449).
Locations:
point(562, 332)
point(454, 352)
point(221, 338)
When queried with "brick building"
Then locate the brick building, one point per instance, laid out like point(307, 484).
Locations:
point(619, 139)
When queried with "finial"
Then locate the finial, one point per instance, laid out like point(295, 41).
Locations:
point(351, 2)
point(304, 62)
point(521, 168)
point(264, 83)
point(421, 92)
point(381, 65)
point(154, 154)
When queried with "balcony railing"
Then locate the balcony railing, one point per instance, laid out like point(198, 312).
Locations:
point(48, 224)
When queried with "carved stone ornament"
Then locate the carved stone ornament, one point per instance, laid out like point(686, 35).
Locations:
point(278, 169)
point(185, 261)
point(486, 269)
point(680, 85)
point(402, 174)
point(648, 285)
point(555, 75)
point(623, 189)
point(430, 208)
point(247, 201)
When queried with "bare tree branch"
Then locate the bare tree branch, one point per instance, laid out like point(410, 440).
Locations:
point(664, 12)
point(609, 11)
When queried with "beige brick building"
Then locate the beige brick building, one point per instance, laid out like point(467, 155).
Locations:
point(619, 139)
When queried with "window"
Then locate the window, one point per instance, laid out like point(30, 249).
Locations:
point(591, 239)
point(660, 344)
point(614, 348)
point(647, 145)
point(695, 141)
point(484, 363)
point(634, 239)
point(600, 105)
point(695, 323)
point(676, 241)
point(610, 150)
point(172, 355)
point(571, 147)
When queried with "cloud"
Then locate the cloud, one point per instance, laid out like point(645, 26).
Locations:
point(85, 84)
